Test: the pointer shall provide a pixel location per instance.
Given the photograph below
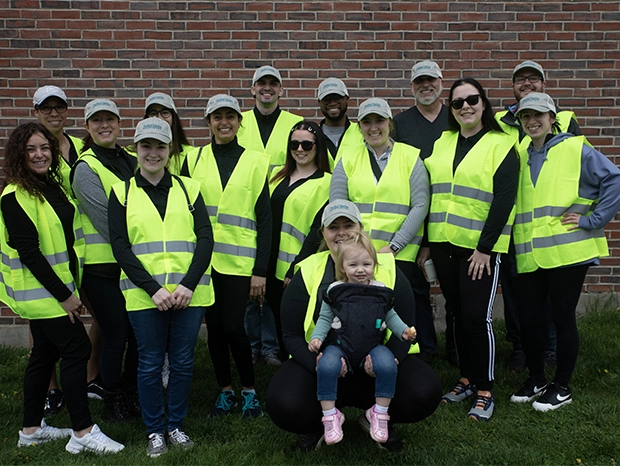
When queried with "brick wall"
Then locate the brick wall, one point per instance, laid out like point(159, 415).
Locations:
point(125, 50)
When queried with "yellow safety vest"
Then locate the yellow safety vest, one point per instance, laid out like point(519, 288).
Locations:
point(250, 138)
point(98, 250)
point(65, 168)
point(541, 241)
point(460, 201)
point(165, 248)
point(312, 271)
point(351, 141)
point(300, 209)
point(20, 290)
point(232, 210)
point(385, 205)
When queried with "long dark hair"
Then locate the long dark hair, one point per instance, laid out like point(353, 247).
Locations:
point(179, 139)
point(321, 159)
point(16, 170)
point(488, 120)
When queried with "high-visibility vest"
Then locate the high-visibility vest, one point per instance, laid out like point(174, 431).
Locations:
point(300, 209)
point(541, 241)
point(65, 168)
point(312, 271)
point(232, 210)
point(165, 248)
point(460, 201)
point(249, 136)
point(352, 140)
point(20, 290)
point(98, 250)
point(384, 205)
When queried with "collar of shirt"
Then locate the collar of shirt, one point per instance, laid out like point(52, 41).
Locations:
point(271, 118)
point(142, 182)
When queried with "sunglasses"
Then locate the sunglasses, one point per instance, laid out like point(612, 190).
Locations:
point(305, 145)
point(471, 100)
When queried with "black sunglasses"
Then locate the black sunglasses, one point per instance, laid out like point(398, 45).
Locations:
point(305, 145)
point(471, 100)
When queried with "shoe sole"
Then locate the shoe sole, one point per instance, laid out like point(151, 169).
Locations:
point(544, 408)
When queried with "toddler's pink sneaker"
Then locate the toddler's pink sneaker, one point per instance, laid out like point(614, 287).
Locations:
point(333, 427)
point(378, 425)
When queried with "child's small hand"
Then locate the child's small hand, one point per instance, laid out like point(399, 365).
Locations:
point(410, 333)
point(315, 345)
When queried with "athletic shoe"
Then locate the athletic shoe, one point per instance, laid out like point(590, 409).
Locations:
point(133, 401)
point(393, 444)
point(516, 361)
point(157, 445)
point(272, 359)
point(224, 404)
point(251, 406)
point(43, 434)
point(54, 402)
point(310, 441)
point(378, 425)
point(530, 390)
point(165, 372)
point(95, 441)
point(483, 408)
point(116, 406)
point(178, 438)
point(554, 397)
point(332, 426)
point(459, 393)
point(94, 389)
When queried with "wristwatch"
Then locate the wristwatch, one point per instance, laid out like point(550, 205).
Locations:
point(395, 249)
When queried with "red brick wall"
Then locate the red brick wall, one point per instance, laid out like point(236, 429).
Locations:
point(125, 50)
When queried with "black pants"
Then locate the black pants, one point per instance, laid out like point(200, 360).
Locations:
point(118, 339)
point(226, 331)
point(274, 298)
point(471, 304)
point(53, 339)
point(424, 322)
point(293, 406)
point(563, 286)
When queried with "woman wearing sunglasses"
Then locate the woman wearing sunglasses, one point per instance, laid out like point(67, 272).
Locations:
point(299, 192)
point(474, 174)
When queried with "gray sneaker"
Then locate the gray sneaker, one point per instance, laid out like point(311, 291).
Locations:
point(482, 409)
point(180, 439)
point(459, 393)
point(157, 445)
point(43, 434)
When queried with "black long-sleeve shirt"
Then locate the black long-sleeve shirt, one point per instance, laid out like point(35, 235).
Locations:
point(24, 237)
point(119, 237)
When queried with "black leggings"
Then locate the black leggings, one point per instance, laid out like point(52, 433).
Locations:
point(53, 339)
point(274, 298)
point(227, 335)
point(563, 286)
point(108, 305)
point(292, 395)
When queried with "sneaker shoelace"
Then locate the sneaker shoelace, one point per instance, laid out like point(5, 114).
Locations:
point(482, 401)
point(459, 388)
point(250, 401)
point(157, 440)
point(179, 436)
point(224, 401)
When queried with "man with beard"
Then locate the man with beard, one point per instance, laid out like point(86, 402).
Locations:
point(420, 126)
point(333, 98)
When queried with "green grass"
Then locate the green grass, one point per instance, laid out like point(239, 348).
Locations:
point(587, 432)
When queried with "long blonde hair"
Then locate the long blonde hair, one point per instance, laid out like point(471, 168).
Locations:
point(356, 242)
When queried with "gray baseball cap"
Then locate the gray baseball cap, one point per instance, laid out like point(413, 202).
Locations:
point(426, 68)
point(538, 101)
point(374, 105)
point(160, 98)
point(48, 91)
point(100, 105)
point(266, 71)
point(153, 128)
point(529, 64)
point(222, 101)
point(340, 208)
point(332, 86)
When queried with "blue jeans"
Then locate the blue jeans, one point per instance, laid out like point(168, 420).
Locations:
point(330, 364)
point(157, 332)
point(260, 327)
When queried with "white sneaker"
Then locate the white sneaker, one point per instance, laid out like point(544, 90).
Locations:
point(95, 441)
point(43, 434)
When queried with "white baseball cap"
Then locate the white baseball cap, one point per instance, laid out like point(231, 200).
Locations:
point(160, 98)
point(538, 101)
point(332, 86)
point(100, 105)
point(529, 64)
point(46, 92)
point(153, 128)
point(426, 68)
point(222, 101)
point(374, 105)
point(340, 208)
point(266, 70)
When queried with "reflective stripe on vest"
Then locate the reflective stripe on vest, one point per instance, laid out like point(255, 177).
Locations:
point(300, 208)
point(460, 201)
point(20, 290)
point(249, 136)
point(167, 260)
point(232, 210)
point(541, 241)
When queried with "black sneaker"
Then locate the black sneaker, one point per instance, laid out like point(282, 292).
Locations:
point(554, 397)
point(393, 443)
point(530, 390)
point(308, 442)
point(516, 361)
point(94, 389)
point(116, 407)
point(54, 402)
point(224, 404)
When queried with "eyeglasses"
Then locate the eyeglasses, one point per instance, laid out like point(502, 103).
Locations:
point(164, 113)
point(471, 100)
point(533, 78)
point(336, 98)
point(305, 145)
point(47, 109)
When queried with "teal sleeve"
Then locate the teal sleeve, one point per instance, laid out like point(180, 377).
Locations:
point(395, 324)
point(324, 322)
